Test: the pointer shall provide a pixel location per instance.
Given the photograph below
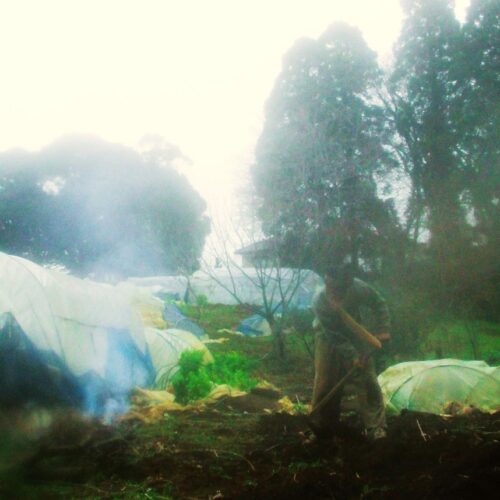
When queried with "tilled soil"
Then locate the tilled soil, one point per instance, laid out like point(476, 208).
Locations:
point(246, 453)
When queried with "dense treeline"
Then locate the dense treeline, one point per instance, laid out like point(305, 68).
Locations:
point(398, 168)
point(100, 208)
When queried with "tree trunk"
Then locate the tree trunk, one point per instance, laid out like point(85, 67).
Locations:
point(278, 340)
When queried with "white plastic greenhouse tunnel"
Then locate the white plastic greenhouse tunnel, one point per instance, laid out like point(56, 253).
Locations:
point(430, 386)
point(83, 343)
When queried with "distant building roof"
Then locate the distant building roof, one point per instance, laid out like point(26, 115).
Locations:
point(257, 248)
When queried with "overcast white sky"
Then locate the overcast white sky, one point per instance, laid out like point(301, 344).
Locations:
point(196, 72)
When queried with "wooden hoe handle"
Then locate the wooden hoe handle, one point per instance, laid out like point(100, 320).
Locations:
point(360, 331)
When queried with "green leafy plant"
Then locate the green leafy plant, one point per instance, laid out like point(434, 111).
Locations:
point(191, 382)
point(234, 369)
point(194, 379)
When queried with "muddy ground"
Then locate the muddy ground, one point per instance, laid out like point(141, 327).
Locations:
point(235, 449)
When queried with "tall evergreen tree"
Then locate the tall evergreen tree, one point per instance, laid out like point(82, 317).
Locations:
point(480, 151)
point(427, 96)
point(321, 147)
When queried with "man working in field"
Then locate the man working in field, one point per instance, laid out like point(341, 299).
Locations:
point(338, 348)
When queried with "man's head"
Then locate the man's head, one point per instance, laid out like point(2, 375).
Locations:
point(339, 277)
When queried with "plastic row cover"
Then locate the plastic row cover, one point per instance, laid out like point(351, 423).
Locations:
point(430, 385)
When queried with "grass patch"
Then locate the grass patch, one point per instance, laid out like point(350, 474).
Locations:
point(466, 340)
point(214, 317)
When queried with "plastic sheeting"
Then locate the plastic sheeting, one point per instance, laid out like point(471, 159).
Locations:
point(430, 386)
point(254, 326)
point(244, 282)
point(166, 347)
point(90, 335)
point(175, 319)
point(175, 286)
point(155, 313)
point(216, 288)
point(88, 328)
